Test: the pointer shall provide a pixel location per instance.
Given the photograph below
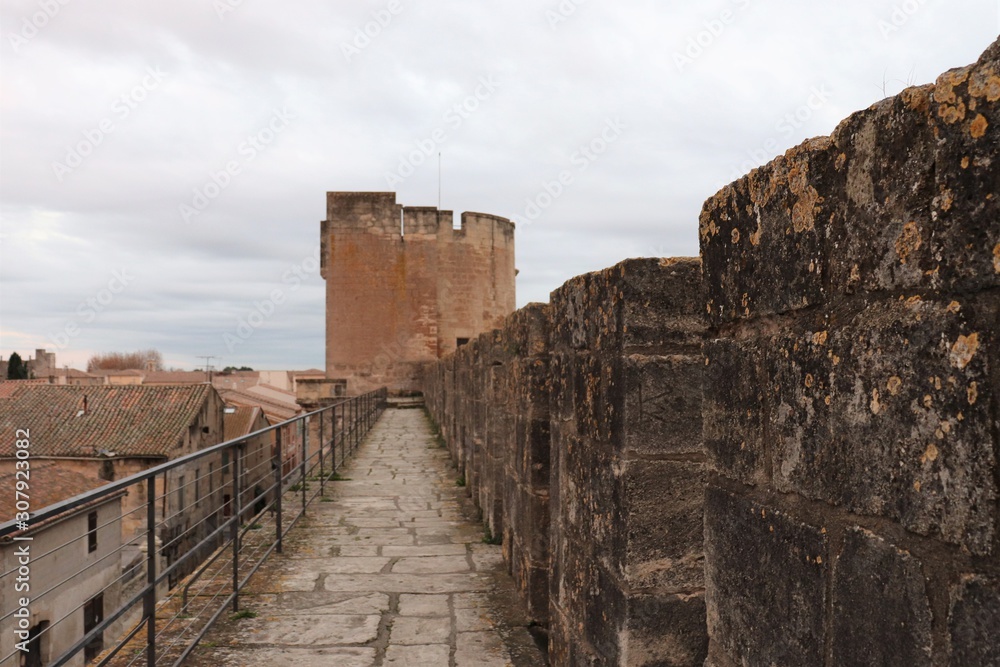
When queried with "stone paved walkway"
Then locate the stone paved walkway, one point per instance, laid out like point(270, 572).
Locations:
point(390, 571)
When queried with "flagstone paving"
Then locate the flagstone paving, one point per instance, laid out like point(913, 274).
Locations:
point(390, 570)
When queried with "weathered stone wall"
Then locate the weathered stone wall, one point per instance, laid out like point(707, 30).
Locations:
point(628, 466)
point(491, 402)
point(851, 408)
point(577, 425)
point(843, 468)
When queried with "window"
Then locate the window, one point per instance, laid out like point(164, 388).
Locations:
point(461, 341)
point(227, 507)
point(93, 615)
point(92, 532)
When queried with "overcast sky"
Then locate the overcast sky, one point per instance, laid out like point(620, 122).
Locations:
point(163, 165)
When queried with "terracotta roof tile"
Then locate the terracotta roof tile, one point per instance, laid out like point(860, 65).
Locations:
point(10, 387)
point(49, 483)
point(275, 410)
point(239, 420)
point(130, 420)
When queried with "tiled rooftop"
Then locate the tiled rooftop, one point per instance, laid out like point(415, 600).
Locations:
point(275, 410)
point(50, 484)
point(240, 421)
point(130, 420)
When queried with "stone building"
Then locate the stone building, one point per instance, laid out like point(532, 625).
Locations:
point(108, 433)
point(404, 286)
point(76, 567)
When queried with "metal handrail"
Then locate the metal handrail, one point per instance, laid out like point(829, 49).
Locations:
point(356, 416)
point(9, 527)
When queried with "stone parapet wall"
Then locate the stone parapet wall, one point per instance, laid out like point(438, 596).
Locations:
point(579, 438)
point(786, 454)
point(851, 413)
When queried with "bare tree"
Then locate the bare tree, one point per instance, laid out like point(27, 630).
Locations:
point(150, 360)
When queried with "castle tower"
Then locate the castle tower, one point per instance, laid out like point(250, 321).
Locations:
point(404, 287)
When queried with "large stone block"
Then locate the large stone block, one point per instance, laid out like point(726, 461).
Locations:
point(884, 225)
point(889, 413)
point(660, 545)
point(881, 612)
point(662, 405)
point(638, 304)
point(538, 452)
point(597, 399)
point(734, 408)
point(526, 331)
point(974, 622)
point(765, 582)
point(662, 303)
point(764, 237)
point(966, 206)
point(664, 631)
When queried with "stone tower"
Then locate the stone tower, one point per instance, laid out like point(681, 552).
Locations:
point(403, 287)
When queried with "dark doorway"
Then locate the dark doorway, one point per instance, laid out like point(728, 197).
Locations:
point(93, 615)
point(34, 657)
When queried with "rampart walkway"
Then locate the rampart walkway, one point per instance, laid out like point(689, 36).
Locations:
point(389, 570)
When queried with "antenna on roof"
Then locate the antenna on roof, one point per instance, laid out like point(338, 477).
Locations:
point(208, 365)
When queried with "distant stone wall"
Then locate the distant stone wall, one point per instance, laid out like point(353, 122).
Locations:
point(579, 437)
point(851, 408)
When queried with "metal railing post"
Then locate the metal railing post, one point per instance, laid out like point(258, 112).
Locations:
point(149, 601)
point(357, 420)
point(333, 447)
point(236, 518)
point(305, 452)
point(278, 475)
point(322, 477)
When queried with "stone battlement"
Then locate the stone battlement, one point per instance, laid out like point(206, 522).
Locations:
point(786, 452)
point(378, 213)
